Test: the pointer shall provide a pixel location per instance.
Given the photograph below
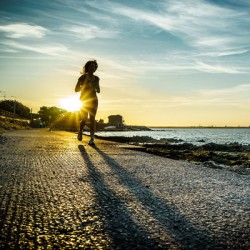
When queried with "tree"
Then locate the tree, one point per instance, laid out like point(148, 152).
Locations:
point(16, 107)
point(50, 114)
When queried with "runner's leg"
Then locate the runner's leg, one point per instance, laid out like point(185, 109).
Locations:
point(84, 116)
point(92, 115)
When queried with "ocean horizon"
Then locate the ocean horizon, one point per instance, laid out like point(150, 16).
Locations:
point(194, 135)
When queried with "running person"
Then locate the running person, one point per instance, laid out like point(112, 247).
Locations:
point(88, 84)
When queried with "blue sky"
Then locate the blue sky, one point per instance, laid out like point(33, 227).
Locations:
point(162, 62)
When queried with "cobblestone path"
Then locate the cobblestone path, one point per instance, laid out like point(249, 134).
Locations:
point(57, 193)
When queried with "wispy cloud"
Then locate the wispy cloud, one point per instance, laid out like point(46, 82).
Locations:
point(205, 67)
point(200, 24)
point(232, 96)
point(243, 89)
point(19, 30)
point(208, 35)
point(57, 49)
point(179, 64)
point(89, 31)
point(228, 52)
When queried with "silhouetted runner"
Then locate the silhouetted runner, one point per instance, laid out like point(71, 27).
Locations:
point(88, 84)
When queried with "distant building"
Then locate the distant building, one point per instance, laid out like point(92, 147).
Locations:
point(116, 120)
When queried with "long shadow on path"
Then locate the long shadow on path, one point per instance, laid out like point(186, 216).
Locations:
point(124, 233)
point(180, 227)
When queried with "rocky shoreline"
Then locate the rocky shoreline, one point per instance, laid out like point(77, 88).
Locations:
point(233, 157)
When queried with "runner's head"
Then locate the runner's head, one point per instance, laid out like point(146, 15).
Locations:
point(90, 66)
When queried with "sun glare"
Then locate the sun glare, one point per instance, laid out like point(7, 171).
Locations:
point(71, 103)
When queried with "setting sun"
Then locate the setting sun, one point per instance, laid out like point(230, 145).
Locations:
point(71, 103)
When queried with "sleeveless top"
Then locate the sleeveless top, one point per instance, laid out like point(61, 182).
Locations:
point(88, 87)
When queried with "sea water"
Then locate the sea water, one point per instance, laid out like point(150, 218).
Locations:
point(191, 135)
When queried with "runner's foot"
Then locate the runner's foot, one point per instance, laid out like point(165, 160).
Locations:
point(79, 136)
point(91, 142)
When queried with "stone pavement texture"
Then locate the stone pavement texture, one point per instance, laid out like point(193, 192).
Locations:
point(58, 193)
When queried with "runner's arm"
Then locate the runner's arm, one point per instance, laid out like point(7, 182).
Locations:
point(97, 88)
point(79, 84)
